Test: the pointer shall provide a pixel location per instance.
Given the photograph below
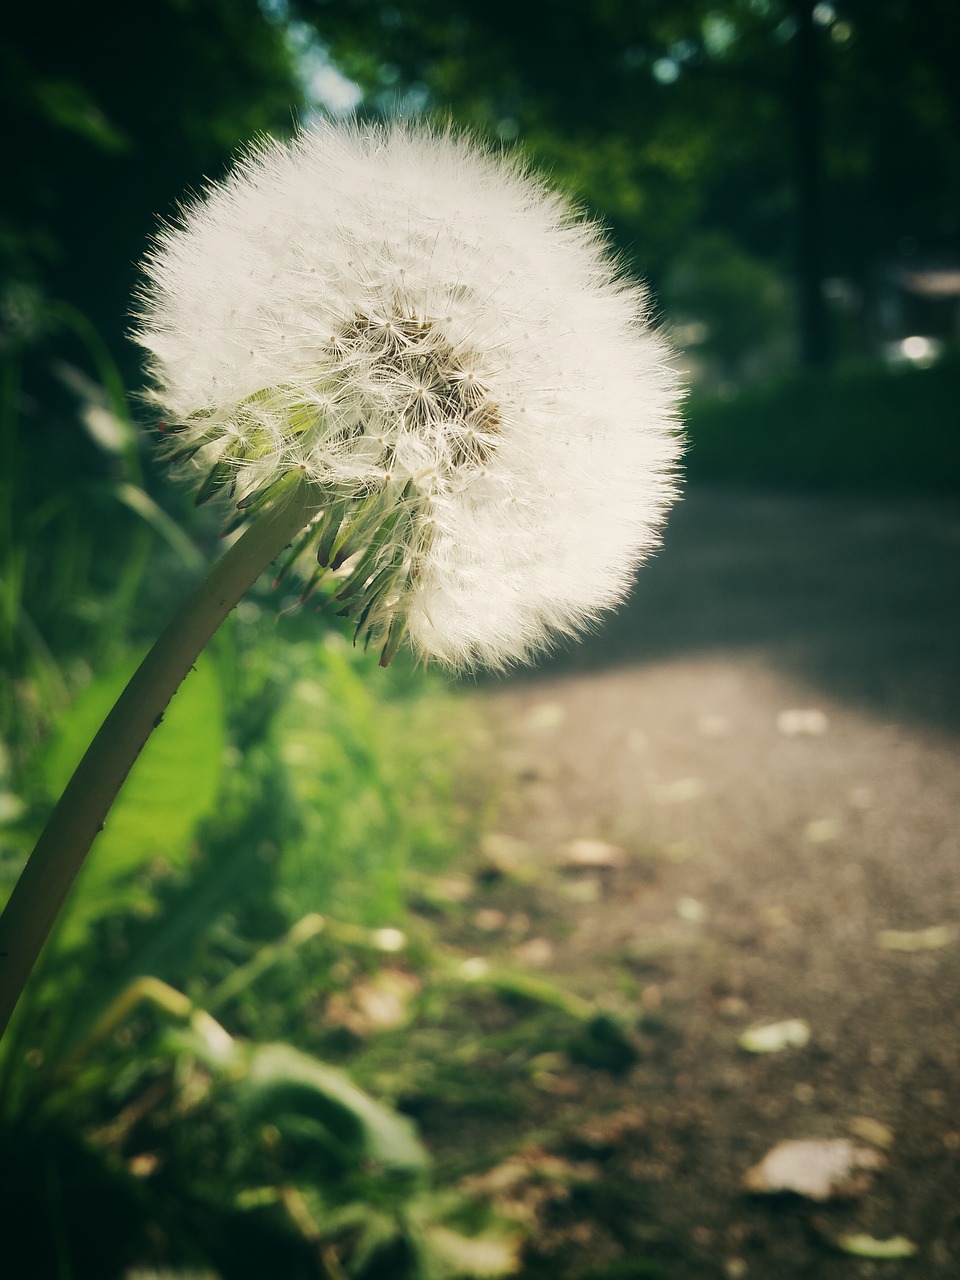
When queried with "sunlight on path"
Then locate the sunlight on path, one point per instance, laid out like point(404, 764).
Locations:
point(775, 855)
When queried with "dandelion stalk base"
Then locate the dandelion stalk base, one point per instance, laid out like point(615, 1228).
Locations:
point(82, 810)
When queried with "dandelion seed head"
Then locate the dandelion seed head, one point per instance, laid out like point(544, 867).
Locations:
point(435, 340)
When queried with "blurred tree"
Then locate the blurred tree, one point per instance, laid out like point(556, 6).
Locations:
point(110, 113)
point(700, 114)
point(736, 304)
point(666, 118)
point(814, 336)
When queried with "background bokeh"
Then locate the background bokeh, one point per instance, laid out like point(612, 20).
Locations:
point(786, 177)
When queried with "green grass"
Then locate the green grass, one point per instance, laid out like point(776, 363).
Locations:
point(374, 765)
point(871, 428)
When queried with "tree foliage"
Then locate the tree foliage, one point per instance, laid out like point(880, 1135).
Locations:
point(667, 119)
point(111, 113)
point(671, 120)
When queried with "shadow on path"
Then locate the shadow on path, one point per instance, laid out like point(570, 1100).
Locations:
point(858, 595)
point(756, 873)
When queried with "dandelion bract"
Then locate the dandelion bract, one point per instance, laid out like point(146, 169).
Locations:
point(437, 341)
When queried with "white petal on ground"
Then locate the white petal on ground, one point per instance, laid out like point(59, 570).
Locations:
point(597, 854)
point(823, 830)
point(802, 722)
point(817, 1169)
point(932, 938)
point(792, 1033)
point(870, 1130)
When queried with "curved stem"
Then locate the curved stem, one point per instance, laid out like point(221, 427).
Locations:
point(81, 811)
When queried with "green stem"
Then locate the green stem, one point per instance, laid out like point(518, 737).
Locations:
point(242, 978)
point(161, 995)
point(80, 814)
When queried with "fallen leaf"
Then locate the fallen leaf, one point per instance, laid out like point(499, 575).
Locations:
point(929, 939)
point(11, 807)
point(776, 915)
point(797, 722)
point(545, 717)
point(678, 792)
point(537, 953)
point(596, 854)
point(650, 950)
point(691, 910)
point(863, 1246)
point(453, 888)
point(485, 1255)
point(793, 1033)
point(815, 1168)
point(582, 891)
point(732, 1007)
point(379, 1003)
point(823, 830)
point(501, 853)
point(679, 851)
point(389, 939)
point(604, 1133)
point(881, 1135)
point(529, 1182)
point(489, 919)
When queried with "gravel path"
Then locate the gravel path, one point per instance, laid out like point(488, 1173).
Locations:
point(770, 736)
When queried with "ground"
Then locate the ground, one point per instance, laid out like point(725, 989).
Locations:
point(768, 735)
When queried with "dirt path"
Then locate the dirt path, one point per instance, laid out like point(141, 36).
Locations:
point(768, 734)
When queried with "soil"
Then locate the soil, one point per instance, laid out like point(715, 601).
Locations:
point(769, 733)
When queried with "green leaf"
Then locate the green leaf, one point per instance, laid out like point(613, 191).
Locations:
point(68, 104)
point(449, 1255)
point(864, 1246)
point(140, 502)
point(171, 787)
point(283, 1081)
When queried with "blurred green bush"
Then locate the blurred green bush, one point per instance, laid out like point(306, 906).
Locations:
point(286, 777)
point(864, 428)
point(290, 776)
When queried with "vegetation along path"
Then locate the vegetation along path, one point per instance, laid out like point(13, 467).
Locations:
point(738, 808)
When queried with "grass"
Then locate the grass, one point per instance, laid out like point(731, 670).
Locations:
point(374, 764)
point(335, 790)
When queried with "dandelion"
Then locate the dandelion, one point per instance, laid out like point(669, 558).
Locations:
point(432, 338)
point(409, 355)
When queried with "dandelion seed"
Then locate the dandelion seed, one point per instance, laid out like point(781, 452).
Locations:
point(460, 370)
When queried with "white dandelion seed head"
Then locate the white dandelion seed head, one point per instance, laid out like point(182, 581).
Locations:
point(438, 342)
